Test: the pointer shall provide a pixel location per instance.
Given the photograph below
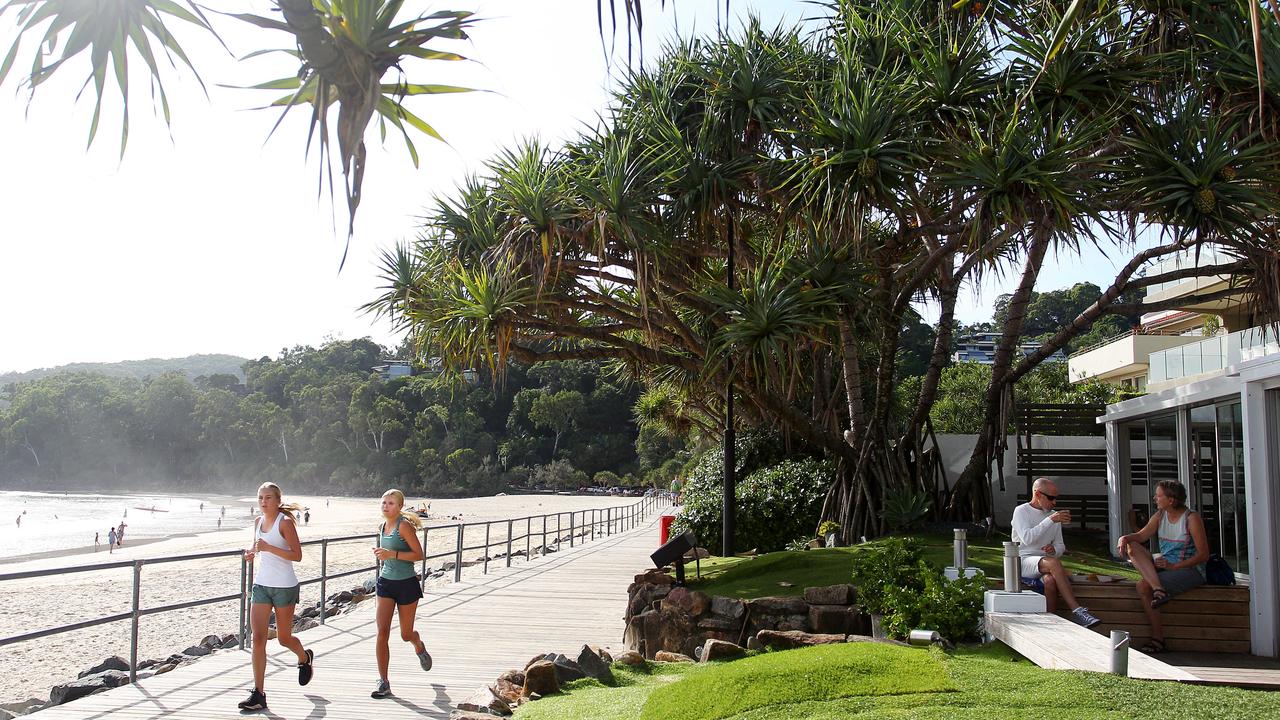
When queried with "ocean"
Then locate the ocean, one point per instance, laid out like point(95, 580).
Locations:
point(57, 522)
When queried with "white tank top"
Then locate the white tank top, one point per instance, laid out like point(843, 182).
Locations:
point(273, 570)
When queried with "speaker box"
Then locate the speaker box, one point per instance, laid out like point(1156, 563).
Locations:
point(673, 551)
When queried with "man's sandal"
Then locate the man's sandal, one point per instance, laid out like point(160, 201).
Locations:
point(1159, 596)
point(1152, 647)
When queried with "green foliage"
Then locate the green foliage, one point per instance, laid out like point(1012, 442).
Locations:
point(892, 563)
point(951, 608)
point(777, 500)
point(905, 508)
point(605, 478)
point(827, 527)
point(963, 385)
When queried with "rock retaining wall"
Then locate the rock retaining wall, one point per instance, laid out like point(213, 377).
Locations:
point(661, 617)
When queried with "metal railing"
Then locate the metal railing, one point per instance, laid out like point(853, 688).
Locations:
point(582, 526)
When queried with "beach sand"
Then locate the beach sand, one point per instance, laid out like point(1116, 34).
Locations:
point(31, 668)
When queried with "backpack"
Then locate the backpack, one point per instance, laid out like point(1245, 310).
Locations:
point(1218, 572)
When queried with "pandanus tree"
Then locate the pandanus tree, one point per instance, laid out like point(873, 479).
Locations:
point(893, 156)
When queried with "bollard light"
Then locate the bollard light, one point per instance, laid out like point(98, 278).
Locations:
point(1012, 571)
point(1119, 652)
point(960, 549)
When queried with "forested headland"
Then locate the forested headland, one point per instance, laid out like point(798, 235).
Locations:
point(324, 420)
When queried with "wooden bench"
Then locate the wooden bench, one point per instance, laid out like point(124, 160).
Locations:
point(1085, 510)
point(1057, 643)
point(1211, 618)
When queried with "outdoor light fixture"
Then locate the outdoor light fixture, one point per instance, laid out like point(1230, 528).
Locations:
point(672, 553)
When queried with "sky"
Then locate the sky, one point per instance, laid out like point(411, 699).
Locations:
point(206, 237)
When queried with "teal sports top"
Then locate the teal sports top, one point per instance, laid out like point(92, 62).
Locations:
point(393, 569)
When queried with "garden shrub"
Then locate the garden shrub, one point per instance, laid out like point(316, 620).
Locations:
point(777, 499)
point(890, 563)
point(894, 581)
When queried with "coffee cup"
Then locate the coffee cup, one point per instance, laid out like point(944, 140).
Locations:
point(1157, 557)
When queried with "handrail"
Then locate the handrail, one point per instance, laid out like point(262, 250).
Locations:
point(608, 520)
point(1127, 333)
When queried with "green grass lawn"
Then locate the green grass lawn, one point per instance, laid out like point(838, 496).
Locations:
point(760, 576)
point(865, 680)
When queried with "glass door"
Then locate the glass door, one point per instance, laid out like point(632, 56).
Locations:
point(1231, 531)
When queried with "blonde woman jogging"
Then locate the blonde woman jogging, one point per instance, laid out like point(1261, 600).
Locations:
point(275, 585)
point(398, 586)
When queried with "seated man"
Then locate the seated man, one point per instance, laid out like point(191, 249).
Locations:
point(1038, 530)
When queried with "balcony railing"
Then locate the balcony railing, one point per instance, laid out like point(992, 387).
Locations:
point(1212, 354)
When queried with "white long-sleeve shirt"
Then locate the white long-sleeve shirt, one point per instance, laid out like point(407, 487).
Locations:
point(1034, 528)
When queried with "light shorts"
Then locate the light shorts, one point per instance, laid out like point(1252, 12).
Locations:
point(274, 596)
point(1178, 581)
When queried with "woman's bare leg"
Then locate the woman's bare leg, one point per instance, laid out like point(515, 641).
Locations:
point(259, 620)
point(284, 632)
point(386, 608)
point(407, 615)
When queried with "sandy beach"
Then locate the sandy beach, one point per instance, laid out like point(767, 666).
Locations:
point(30, 668)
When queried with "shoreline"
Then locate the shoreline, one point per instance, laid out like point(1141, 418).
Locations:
point(89, 550)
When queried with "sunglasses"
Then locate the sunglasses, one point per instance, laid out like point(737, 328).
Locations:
point(1052, 498)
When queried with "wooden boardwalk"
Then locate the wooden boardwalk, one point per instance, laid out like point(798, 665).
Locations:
point(475, 629)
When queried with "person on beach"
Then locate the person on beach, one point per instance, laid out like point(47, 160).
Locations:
point(398, 586)
point(306, 517)
point(1177, 567)
point(120, 535)
point(19, 521)
point(95, 541)
point(111, 540)
point(224, 511)
point(275, 586)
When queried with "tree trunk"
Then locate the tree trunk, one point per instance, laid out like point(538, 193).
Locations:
point(972, 487)
point(947, 295)
point(852, 366)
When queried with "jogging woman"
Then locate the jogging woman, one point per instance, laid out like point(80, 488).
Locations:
point(275, 585)
point(398, 586)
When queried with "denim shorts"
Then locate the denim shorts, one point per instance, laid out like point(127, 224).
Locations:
point(274, 596)
point(404, 592)
point(1178, 581)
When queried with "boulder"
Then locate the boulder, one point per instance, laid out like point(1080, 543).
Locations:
point(731, 608)
point(162, 669)
point(539, 658)
point(753, 643)
point(211, 641)
point(655, 577)
point(718, 623)
point(485, 700)
point(342, 597)
point(664, 656)
point(594, 666)
point(87, 686)
point(833, 618)
point(567, 670)
point(115, 662)
point(629, 657)
point(197, 651)
point(232, 642)
point(795, 622)
point(778, 606)
point(310, 612)
point(509, 686)
point(6, 715)
point(304, 624)
point(24, 707)
point(720, 650)
point(785, 640)
point(829, 595)
point(369, 586)
point(540, 678)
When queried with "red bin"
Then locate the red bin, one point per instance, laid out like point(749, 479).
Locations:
point(664, 527)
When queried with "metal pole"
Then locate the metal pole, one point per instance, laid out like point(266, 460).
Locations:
point(244, 588)
point(528, 537)
point(559, 532)
point(960, 549)
point(573, 529)
point(324, 574)
point(457, 563)
point(608, 522)
point(509, 522)
point(1119, 652)
point(423, 581)
point(1012, 569)
point(486, 547)
point(544, 536)
point(133, 634)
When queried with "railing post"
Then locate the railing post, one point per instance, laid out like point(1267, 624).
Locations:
point(133, 634)
point(457, 563)
point(423, 582)
point(608, 522)
point(573, 528)
point(559, 533)
point(244, 589)
point(509, 526)
point(528, 538)
point(486, 547)
point(324, 575)
point(544, 536)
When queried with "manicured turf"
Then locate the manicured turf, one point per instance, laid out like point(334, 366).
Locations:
point(885, 681)
point(760, 576)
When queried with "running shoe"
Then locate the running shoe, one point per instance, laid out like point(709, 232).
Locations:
point(1082, 616)
point(257, 701)
point(424, 658)
point(304, 669)
point(383, 689)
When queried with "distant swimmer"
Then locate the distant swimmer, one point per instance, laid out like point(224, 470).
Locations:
point(201, 507)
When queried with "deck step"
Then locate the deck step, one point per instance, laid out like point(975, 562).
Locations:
point(1057, 643)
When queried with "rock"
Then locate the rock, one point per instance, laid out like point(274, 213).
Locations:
point(787, 639)
point(833, 618)
point(629, 657)
point(778, 606)
point(604, 653)
point(829, 595)
point(162, 669)
point(146, 665)
point(538, 658)
point(509, 686)
point(369, 586)
point(6, 715)
point(753, 643)
point(485, 700)
point(655, 577)
point(304, 624)
point(197, 651)
point(232, 642)
point(469, 715)
point(814, 544)
point(731, 608)
point(721, 650)
point(594, 666)
point(329, 612)
point(211, 641)
point(567, 670)
point(795, 622)
point(87, 686)
point(115, 662)
point(718, 623)
point(664, 656)
point(540, 678)
point(24, 707)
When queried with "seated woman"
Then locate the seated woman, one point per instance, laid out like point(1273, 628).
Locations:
point(1179, 566)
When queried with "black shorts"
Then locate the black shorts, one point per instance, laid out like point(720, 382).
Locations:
point(404, 592)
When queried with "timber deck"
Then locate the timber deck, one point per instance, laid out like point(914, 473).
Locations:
point(475, 629)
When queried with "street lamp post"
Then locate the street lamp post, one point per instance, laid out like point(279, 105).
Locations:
point(729, 510)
